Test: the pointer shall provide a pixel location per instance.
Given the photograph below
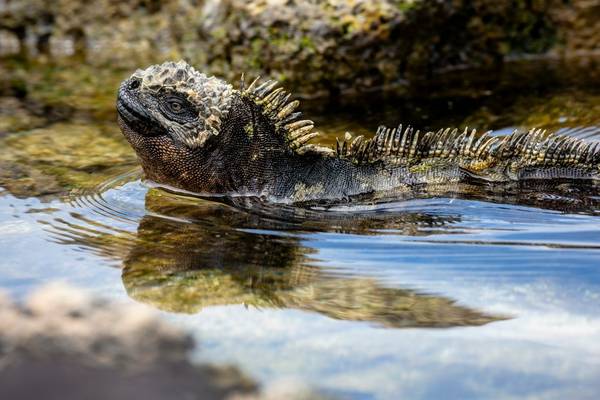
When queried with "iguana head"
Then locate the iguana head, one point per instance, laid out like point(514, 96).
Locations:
point(174, 99)
point(192, 131)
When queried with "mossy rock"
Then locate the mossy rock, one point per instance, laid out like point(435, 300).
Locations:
point(314, 47)
point(63, 156)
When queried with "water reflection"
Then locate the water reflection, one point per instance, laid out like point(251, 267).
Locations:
point(375, 213)
point(187, 254)
point(181, 254)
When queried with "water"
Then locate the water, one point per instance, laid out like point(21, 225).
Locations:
point(481, 296)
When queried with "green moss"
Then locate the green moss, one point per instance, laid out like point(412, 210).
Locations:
point(219, 33)
point(257, 57)
point(307, 43)
point(60, 157)
point(561, 109)
point(249, 129)
point(406, 5)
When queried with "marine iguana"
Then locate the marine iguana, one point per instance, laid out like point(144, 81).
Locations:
point(200, 134)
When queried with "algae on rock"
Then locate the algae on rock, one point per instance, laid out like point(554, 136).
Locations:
point(52, 160)
point(313, 46)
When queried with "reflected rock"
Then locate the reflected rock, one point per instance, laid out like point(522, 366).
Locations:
point(360, 299)
point(352, 299)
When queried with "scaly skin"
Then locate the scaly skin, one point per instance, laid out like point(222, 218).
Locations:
point(201, 135)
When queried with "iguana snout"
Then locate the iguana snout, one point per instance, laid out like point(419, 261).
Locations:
point(133, 114)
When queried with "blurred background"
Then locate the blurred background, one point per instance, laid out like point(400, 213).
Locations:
point(315, 47)
point(485, 63)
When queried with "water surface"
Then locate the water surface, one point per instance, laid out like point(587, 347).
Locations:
point(486, 295)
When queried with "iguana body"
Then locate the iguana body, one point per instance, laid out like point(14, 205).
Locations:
point(201, 135)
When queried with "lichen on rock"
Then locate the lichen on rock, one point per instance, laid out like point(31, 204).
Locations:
point(313, 46)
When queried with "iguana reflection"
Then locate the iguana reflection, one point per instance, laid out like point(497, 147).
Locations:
point(180, 266)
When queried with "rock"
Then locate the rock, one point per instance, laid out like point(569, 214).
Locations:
point(578, 26)
point(59, 320)
point(62, 343)
point(15, 116)
point(49, 161)
point(315, 47)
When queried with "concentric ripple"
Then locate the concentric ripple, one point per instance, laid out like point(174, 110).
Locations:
point(118, 198)
point(101, 220)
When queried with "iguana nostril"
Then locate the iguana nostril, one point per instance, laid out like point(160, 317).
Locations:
point(134, 84)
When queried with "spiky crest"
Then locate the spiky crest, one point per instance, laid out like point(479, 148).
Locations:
point(533, 148)
point(275, 104)
point(472, 150)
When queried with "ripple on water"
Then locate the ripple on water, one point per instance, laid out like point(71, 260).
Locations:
point(182, 254)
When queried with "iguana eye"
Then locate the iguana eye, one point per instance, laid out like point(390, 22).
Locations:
point(175, 106)
point(178, 109)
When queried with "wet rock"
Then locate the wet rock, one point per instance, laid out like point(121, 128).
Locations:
point(313, 46)
point(64, 343)
point(579, 26)
point(559, 110)
point(61, 320)
point(58, 92)
point(15, 116)
point(9, 43)
point(52, 160)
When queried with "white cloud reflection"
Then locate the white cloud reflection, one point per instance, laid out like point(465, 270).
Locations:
point(552, 353)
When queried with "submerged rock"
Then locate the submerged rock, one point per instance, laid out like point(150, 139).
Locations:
point(49, 161)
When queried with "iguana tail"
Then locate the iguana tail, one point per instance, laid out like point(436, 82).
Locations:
point(533, 154)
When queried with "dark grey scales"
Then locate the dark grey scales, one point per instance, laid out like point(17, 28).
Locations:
point(199, 134)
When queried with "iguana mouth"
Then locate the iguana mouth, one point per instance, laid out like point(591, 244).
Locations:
point(133, 114)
